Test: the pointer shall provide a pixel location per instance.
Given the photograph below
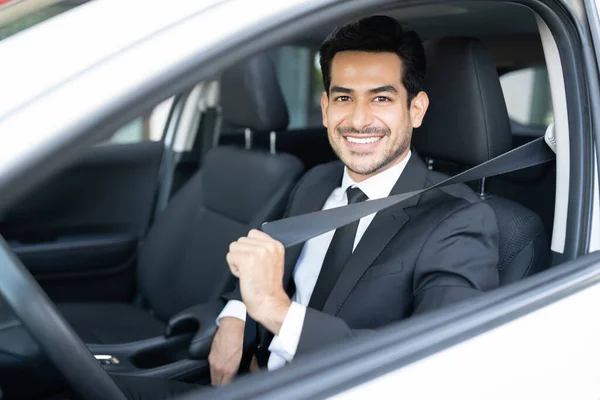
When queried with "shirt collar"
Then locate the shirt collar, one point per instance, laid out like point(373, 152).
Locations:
point(379, 185)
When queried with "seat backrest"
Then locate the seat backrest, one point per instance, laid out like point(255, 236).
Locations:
point(182, 262)
point(467, 123)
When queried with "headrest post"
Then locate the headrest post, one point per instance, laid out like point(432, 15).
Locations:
point(272, 141)
point(482, 194)
point(248, 138)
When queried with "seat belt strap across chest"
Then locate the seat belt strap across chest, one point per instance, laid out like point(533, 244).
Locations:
point(298, 229)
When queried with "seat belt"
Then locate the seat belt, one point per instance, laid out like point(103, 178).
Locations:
point(298, 229)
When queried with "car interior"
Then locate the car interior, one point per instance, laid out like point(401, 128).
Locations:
point(139, 279)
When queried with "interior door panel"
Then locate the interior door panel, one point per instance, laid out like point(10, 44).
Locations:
point(78, 233)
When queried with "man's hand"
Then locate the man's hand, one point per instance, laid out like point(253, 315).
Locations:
point(258, 261)
point(226, 351)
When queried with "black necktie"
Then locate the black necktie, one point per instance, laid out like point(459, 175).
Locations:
point(337, 255)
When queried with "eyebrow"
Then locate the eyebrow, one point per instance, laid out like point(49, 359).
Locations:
point(383, 89)
point(340, 89)
point(377, 90)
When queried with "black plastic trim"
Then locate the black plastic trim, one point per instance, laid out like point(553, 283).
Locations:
point(76, 254)
point(592, 50)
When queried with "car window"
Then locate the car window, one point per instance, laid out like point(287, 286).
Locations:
point(148, 127)
point(527, 95)
point(18, 15)
point(299, 75)
point(526, 91)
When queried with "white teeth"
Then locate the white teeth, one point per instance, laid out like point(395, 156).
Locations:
point(363, 140)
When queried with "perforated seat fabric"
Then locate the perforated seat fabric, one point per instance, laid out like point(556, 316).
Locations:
point(466, 124)
point(523, 242)
point(182, 259)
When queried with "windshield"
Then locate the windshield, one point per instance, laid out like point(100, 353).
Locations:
point(18, 15)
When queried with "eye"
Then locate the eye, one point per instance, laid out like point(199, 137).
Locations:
point(382, 99)
point(342, 98)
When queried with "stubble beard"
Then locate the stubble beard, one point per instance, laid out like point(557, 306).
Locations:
point(391, 154)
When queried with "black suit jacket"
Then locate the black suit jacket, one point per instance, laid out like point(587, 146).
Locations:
point(420, 255)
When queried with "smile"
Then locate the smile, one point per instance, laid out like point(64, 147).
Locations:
point(365, 140)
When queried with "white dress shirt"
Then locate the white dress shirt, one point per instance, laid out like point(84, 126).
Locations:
point(283, 346)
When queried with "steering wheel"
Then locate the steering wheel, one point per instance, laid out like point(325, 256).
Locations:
point(52, 333)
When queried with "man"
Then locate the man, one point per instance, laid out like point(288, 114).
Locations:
point(420, 255)
point(427, 252)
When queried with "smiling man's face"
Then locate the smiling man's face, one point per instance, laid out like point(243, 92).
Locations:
point(368, 119)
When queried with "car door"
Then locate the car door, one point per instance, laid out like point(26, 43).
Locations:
point(534, 339)
point(79, 231)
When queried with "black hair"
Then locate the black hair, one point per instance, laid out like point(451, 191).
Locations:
point(377, 34)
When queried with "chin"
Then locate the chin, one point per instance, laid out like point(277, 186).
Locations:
point(361, 168)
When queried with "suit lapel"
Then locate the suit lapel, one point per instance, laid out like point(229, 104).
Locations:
point(382, 229)
point(312, 199)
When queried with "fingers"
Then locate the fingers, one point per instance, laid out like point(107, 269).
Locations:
point(255, 233)
point(252, 249)
point(223, 367)
point(259, 239)
point(215, 375)
point(230, 258)
point(215, 378)
point(221, 375)
point(245, 245)
point(254, 365)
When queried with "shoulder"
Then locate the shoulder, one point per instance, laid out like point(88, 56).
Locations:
point(458, 191)
point(331, 171)
point(455, 203)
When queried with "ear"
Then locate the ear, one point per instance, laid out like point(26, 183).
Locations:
point(418, 108)
point(324, 107)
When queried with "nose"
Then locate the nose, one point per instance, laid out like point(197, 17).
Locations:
point(361, 115)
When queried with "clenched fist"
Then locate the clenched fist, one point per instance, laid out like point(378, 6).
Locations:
point(258, 261)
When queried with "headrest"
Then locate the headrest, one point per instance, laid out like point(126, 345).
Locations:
point(251, 96)
point(467, 121)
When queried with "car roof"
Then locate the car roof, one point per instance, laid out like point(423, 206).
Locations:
point(54, 51)
point(58, 86)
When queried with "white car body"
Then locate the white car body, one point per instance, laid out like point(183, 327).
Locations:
point(550, 352)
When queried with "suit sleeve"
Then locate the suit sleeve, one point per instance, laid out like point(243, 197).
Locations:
point(458, 261)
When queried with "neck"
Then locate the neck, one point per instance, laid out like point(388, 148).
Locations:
point(361, 177)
